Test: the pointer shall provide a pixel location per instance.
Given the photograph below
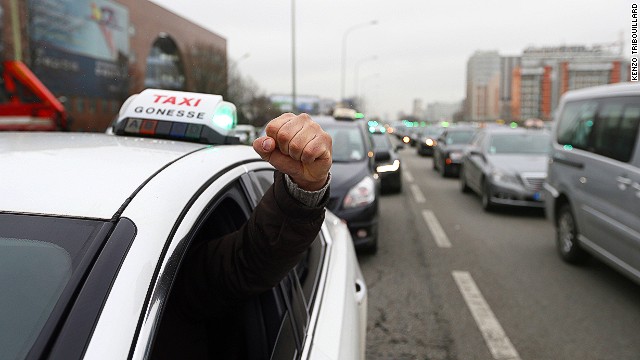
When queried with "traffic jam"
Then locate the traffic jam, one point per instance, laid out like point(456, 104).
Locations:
point(169, 209)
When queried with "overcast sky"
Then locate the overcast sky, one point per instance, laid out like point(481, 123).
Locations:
point(421, 46)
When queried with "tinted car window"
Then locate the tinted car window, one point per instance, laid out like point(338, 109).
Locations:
point(520, 144)
point(40, 258)
point(616, 129)
point(459, 137)
point(606, 127)
point(576, 123)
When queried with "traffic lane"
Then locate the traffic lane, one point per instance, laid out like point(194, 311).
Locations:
point(404, 320)
point(547, 308)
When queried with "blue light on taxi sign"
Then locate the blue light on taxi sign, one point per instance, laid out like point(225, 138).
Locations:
point(179, 115)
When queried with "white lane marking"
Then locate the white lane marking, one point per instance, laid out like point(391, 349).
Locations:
point(439, 236)
point(417, 194)
point(495, 337)
point(408, 176)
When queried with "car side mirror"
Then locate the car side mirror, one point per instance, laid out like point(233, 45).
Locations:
point(476, 152)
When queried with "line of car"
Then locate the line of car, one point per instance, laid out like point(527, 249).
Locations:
point(584, 172)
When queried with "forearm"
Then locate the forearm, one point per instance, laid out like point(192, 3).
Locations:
point(273, 240)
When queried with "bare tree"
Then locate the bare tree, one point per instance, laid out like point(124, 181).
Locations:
point(211, 73)
point(207, 67)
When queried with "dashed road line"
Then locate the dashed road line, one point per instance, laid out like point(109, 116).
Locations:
point(408, 176)
point(439, 236)
point(417, 194)
point(499, 344)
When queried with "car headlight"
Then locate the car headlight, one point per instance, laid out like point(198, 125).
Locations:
point(389, 167)
point(364, 193)
point(456, 155)
point(430, 142)
point(504, 177)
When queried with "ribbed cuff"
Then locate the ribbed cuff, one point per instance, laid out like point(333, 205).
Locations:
point(308, 198)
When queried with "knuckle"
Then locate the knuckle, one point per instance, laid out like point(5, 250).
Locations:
point(326, 139)
point(296, 147)
point(305, 117)
point(284, 135)
point(271, 127)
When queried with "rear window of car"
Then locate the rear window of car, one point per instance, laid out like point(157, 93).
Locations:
point(39, 261)
point(520, 143)
point(348, 143)
point(459, 137)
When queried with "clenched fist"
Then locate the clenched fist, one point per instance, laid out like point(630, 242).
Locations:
point(298, 147)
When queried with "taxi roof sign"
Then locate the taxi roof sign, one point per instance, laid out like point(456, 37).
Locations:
point(344, 114)
point(179, 115)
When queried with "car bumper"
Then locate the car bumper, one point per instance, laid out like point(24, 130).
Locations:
point(362, 223)
point(391, 179)
point(550, 195)
point(512, 196)
point(425, 150)
point(453, 168)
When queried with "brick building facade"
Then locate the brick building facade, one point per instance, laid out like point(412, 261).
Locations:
point(95, 53)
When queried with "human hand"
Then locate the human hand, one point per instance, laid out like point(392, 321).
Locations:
point(298, 147)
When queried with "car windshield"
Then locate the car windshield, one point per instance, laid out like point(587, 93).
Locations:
point(459, 137)
point(38, 259)
point(348, 143)
point(529, 143)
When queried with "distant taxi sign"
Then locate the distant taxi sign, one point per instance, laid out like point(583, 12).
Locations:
point(344, 114)
point(178, 115)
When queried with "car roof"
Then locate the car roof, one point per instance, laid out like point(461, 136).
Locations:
point(465, 128)
point(325, 120)
point(617, 89)
point(509, 130)
point(83, 174)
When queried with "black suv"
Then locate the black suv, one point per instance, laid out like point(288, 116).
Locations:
point(355, 185)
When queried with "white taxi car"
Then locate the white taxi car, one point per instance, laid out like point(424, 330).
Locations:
point(93, 228)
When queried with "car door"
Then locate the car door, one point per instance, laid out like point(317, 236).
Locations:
point(474, 163)
point(298, 289)
point(264, 327)
point(611, 224)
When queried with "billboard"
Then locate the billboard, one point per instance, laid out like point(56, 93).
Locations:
point(80, 47)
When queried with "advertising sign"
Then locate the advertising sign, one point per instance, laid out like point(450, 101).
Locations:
point(80, 47)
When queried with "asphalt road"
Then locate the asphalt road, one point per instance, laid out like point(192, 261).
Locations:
point(487, 285)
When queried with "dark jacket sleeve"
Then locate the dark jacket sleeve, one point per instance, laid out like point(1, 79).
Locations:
point(221, 272)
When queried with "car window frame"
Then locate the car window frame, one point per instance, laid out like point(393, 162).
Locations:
point(74, 312)
point(184, 231)
point(303, 299)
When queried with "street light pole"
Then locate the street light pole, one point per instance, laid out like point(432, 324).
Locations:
point(344, 53)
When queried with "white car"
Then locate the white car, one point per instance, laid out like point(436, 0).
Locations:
point(93, 228)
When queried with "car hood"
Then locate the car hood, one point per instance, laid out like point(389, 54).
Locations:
point(345, 175)
point(519, 163)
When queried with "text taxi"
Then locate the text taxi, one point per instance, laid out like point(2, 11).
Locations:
point(94, 229)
